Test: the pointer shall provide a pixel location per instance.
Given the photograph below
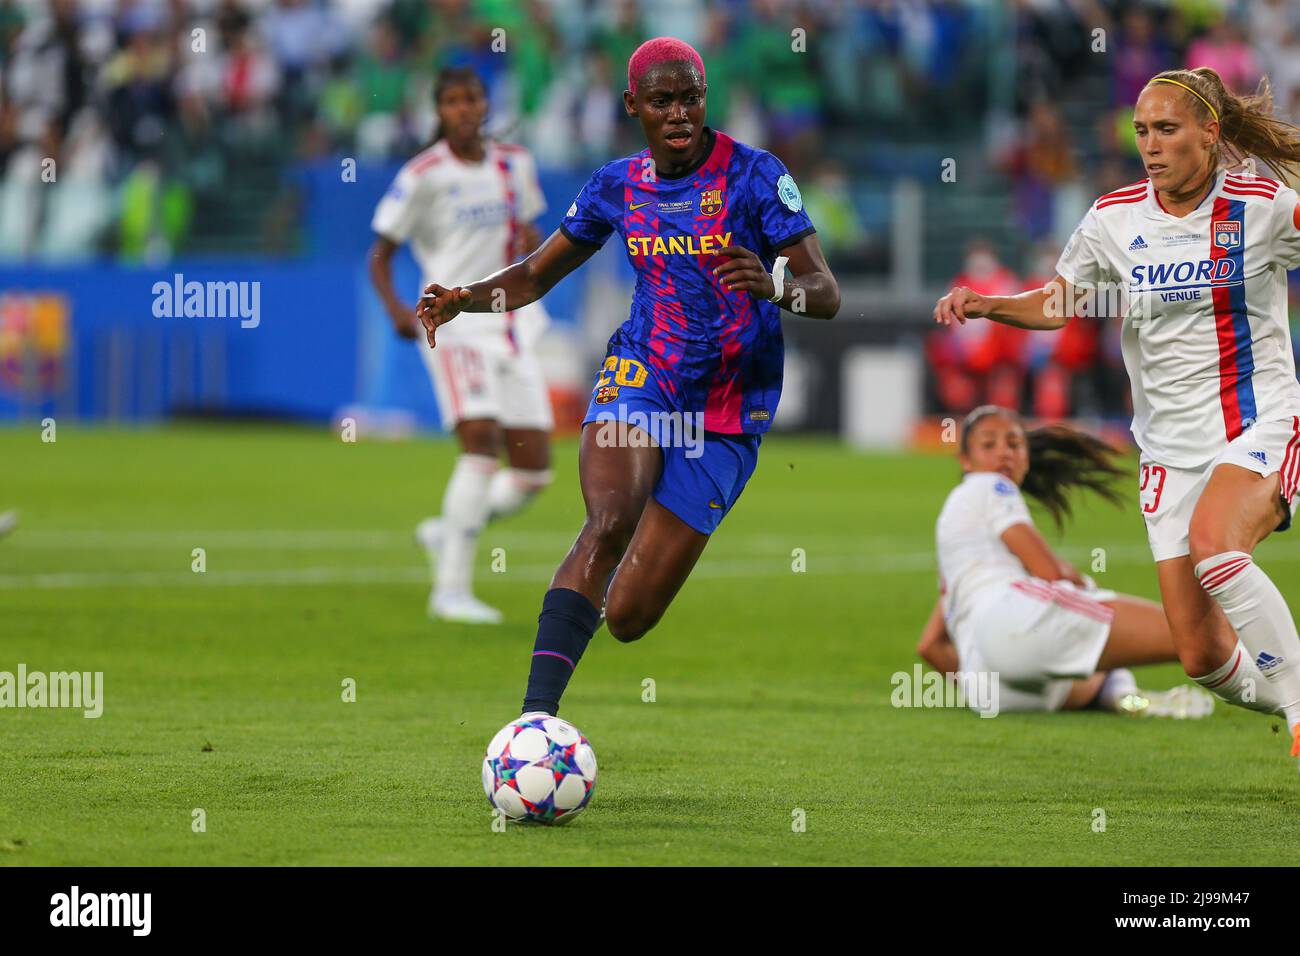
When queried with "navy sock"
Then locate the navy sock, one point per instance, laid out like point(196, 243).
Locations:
point(564, 629)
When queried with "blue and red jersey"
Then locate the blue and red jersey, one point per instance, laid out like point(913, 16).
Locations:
point(710, 350)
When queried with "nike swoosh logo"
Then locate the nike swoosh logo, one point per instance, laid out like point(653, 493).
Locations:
point(714, 504)
point(637, 205)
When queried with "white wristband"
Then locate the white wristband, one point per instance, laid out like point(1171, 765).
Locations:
point(778, 278)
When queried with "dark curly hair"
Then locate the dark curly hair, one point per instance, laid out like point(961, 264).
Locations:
point(1060, 459)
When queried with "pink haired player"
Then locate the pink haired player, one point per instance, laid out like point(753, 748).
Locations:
point(720, 242)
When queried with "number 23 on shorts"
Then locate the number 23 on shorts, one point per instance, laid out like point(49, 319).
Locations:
point(1153, 483)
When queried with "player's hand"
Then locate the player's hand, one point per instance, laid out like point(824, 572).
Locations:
point(1070, 573)
point(960, 304)
point(439, 306)
point(404, 321)
point(744, 271)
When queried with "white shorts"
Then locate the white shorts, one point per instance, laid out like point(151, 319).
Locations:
point(1039, 637)
point(1168, 496)
point(487, 376)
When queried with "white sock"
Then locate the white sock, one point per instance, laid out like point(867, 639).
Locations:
point(1238, 681)
point(1262, 620)
point(464, 512)
point(512, 488)
point(1119, 683)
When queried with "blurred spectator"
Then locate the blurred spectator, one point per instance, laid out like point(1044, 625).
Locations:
point(249, 79)
point(1058, 357)
point(1140, 53)
point(381, 77)
point(980, 362)
point(828, 199)
point(1224, 50)
point(784, 81)
point(136, 84)
point(1038, 162)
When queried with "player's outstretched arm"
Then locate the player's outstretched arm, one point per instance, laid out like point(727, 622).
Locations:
point(810, 288)
point(1045, 308)
point(512, 288)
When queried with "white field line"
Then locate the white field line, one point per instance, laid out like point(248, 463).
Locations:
point(343, 540)
point(1278, 549)
point(825, 555)
point(777, 566)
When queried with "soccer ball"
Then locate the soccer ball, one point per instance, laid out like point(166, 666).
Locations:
point(539, 769)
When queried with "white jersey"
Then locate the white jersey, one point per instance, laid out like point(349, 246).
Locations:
point(1204, 298)
point(462, 220)
point(968, 538)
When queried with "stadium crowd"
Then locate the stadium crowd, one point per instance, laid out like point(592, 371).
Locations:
point(160, 127)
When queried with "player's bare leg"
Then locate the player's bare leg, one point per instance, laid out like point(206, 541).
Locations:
point(1139, 634)
point(1084, 692)
point(1237, 510)
point(618, 468)
point(657, 563)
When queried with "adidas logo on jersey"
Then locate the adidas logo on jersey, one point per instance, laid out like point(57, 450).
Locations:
point(1137, 243)
point(1266, 661)
point(1260, 457)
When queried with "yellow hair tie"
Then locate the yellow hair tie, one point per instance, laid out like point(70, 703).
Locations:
point(1213, 111)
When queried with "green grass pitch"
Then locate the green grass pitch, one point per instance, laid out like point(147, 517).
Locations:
point(223, 690)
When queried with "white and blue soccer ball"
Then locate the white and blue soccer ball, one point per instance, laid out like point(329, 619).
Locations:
point(539, 769)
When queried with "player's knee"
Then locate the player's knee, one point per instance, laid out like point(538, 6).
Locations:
point(1205, 539)
point(610, 531)
point(629, 624)
point(479, 437)
point(1202, 642)
point(1200, 660)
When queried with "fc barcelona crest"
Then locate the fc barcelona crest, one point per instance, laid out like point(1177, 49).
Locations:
point(710, 202)
point(1227, 233)
point(606, 394)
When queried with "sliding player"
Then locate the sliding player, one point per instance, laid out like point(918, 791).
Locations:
point(1009, 605)
point(710, 225)
point(467, 204)
point(1200, 255)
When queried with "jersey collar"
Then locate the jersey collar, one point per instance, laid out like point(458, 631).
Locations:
point(488, 154)
point(1154, 210)
point(710, 144)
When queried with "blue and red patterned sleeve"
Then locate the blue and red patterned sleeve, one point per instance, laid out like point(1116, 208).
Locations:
point(588, 221)
point(777, 204)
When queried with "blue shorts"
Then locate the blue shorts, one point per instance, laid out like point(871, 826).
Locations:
point(704, 472)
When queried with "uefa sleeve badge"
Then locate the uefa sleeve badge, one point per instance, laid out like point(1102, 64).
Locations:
point(789, 193)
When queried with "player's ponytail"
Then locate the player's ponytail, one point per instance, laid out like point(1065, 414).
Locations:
point(1247, 126)
point(1060, 460)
